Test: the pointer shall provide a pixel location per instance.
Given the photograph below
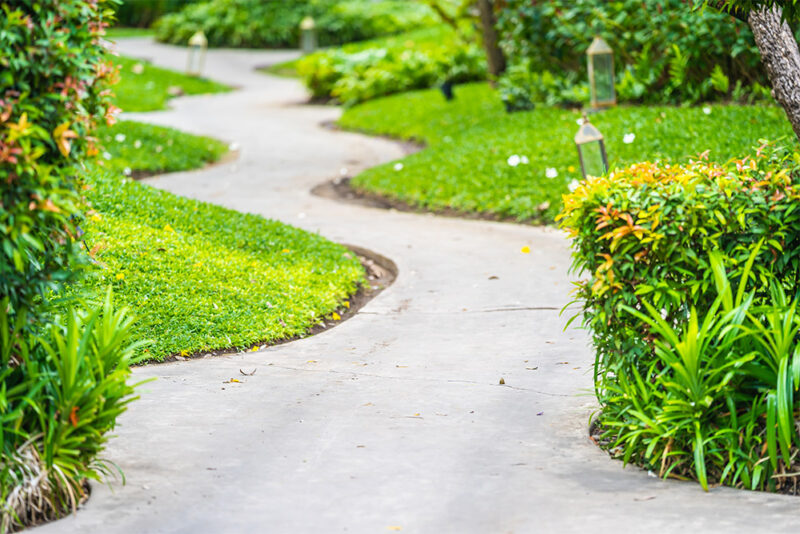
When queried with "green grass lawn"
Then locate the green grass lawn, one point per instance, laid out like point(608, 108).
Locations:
point(470, 140)
point(145, 87)
point(112, 34)
point(198, 277)
point(134, 148)
point(201, 277)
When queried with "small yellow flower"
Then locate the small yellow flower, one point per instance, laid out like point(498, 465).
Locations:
point(120, 276)
point(168, 228)
point(526, 249)
point(336, 317)
point(346, 304)
point(285, 251)
point(95, 217)
point(571, 168)
point(184, 353)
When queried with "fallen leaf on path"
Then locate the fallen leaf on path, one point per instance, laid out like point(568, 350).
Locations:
point(526, 250)
point(250, 373)
point(532, 368)
point(394, 528)
point(232, 381)
point(502, 381)
point(648, 498)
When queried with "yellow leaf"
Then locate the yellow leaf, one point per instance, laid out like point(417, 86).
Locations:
point(254, 349)
point(62, 135)
point(184, 353)
point(526, 249)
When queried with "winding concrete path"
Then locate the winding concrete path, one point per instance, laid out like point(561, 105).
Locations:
point(394, 419)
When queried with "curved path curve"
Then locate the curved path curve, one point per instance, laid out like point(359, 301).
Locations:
point(396, 418)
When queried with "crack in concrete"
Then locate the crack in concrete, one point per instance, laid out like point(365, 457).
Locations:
point(418, 379)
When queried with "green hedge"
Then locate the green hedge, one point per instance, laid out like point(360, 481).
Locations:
point(665, 51)
point(143, 13)
point(63, 376)
point(698, 363)
point(53, 81)
point(275, 23)
point(415, 60)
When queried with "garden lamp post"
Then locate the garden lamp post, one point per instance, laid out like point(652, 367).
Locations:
point(308, 35)
point(601, 74)
point(591, 150)
point(198, 46)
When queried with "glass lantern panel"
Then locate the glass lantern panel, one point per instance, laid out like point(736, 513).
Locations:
point(603, 82)
point(592, 157)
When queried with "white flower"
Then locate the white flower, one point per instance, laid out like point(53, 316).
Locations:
point(119, 138)
point(138, 68)
point(514, 160)
point(707, 110)
point(127, 171)
point(343, 171)
point(106, 155)
point(159, 148)
point(573, 185)
point(629, 138)
point(550, 172)
point(524, 160)
point(579, 122)
point(398, 166)
point(233, 146)
point(137, 144)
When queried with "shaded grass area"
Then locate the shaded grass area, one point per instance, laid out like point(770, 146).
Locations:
point(145, 87)
point(134, 148)
point(471, 140)
point(201, 277)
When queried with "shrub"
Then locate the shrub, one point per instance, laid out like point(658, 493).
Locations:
point(275, 23)
point(354, 74)
point(63, 381)
point(142, 13)
point(62, 392)
point(664, 51)
point(695, 377)
point(53, 91)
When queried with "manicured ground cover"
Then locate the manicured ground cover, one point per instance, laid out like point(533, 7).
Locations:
point(136, 149)
point(145, 87)
point(201, 277)
point(473, 146)
point(112, 34)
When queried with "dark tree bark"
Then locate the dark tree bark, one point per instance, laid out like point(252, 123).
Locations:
point(494, 55)
point(781, 58)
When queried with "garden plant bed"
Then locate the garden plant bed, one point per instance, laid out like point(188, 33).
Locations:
point(788, 485)
point(381, 273)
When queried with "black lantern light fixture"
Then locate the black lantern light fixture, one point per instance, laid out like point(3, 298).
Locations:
point(601, 74)
point(591, 150)
point(198, 46)
point(308, 35)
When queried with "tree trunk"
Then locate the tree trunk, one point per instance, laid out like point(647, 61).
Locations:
point(494, 55)
point(781, 57)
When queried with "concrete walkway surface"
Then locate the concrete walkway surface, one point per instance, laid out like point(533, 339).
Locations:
point(395, 420)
